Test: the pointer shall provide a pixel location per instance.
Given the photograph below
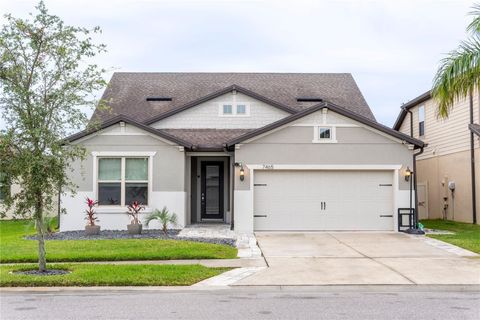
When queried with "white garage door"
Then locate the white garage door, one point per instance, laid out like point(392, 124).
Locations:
point(323, 200)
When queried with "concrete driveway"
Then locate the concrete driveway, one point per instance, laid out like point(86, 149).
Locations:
point(360, 258)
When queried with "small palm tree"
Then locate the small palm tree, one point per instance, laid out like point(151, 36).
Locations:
point(459, 73)
point(164, 217)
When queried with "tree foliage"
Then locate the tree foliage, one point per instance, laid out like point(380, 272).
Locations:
point(459, 73)
point(46, 82)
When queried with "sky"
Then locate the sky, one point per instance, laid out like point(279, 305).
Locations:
point(392, 48)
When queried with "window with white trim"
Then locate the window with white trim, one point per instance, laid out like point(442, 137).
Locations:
point(122, 180)
point(227, 109)
point(324, 133)
point(240, 109)
point(421, 121)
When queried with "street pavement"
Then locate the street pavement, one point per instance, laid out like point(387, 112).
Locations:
point(327, 302)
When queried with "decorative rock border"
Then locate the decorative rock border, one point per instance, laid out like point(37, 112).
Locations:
point(51, 272)
point(123, 234)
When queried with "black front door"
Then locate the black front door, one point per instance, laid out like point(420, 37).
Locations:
point(211, 196)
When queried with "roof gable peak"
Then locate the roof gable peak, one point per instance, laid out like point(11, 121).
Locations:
point(213, 95)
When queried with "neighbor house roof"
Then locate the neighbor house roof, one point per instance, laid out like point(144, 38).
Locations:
point(127, 93)
point(334, 108)
point(410, 104)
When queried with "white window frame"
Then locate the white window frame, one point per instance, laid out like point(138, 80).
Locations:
point(222, 109)
point(421, 108)
point(316, 134)
point(123, 155)
point(234, 109)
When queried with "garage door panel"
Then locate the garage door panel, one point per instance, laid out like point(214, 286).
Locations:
point(292, 200)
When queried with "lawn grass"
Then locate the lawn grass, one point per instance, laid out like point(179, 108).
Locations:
point(466, 235)
point(109, 275)
point(14, 248)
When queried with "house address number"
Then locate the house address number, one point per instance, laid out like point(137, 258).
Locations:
point(268, 166)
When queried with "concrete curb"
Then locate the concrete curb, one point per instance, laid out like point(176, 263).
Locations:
point(229, 277)
point(448, 247)
point(229, 263)
point(323, 288)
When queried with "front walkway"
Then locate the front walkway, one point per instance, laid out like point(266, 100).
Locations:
point(246, 243)
point(360, 258)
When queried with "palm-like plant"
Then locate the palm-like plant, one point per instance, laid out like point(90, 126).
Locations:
point(459, 73)
point(164, 217)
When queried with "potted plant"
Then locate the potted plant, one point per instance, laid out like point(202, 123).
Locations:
point(91, 228)
point(134, 208)
point(164, 217)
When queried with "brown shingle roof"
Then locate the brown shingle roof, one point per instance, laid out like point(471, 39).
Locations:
point(206, 138)
point(127, 92)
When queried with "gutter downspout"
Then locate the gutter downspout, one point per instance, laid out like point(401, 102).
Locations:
point(411, 121)
point(414, 229)
point(415, 155)
point(472, 164)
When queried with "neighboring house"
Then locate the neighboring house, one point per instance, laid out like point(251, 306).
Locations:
point(446, 158)
point(259, 151)
point(6, 188)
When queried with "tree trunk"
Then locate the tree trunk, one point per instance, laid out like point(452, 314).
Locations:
point(42, 261)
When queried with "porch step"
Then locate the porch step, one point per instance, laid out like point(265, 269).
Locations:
point(245, 242)
point(213, 230)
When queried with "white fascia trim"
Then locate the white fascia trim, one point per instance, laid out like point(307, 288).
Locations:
point(339, 125)
point(124, 153)
point(103, 133)
point(323, 167)
point(208, 154)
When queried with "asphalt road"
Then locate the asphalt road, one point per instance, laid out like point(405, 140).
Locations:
point(407, 302)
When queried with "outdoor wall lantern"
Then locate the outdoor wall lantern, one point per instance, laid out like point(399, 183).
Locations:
point(242, 173)
point(408, 173)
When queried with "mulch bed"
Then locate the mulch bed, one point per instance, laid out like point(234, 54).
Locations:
point(123, 234)
point(51, 272)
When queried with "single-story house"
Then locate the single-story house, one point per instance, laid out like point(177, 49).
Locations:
point(258, 151)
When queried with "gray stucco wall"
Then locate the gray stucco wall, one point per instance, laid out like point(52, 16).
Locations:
point(168, 162)
point(293, 145)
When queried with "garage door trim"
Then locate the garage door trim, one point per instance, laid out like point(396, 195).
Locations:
point(282, 167)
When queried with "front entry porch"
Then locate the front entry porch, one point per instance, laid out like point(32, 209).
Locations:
point(209, 188)
point(222, 233)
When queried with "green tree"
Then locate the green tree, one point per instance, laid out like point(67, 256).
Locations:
point(459, 73)
point(46, 82)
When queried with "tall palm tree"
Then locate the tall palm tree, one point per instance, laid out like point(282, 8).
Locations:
point(459, 73)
